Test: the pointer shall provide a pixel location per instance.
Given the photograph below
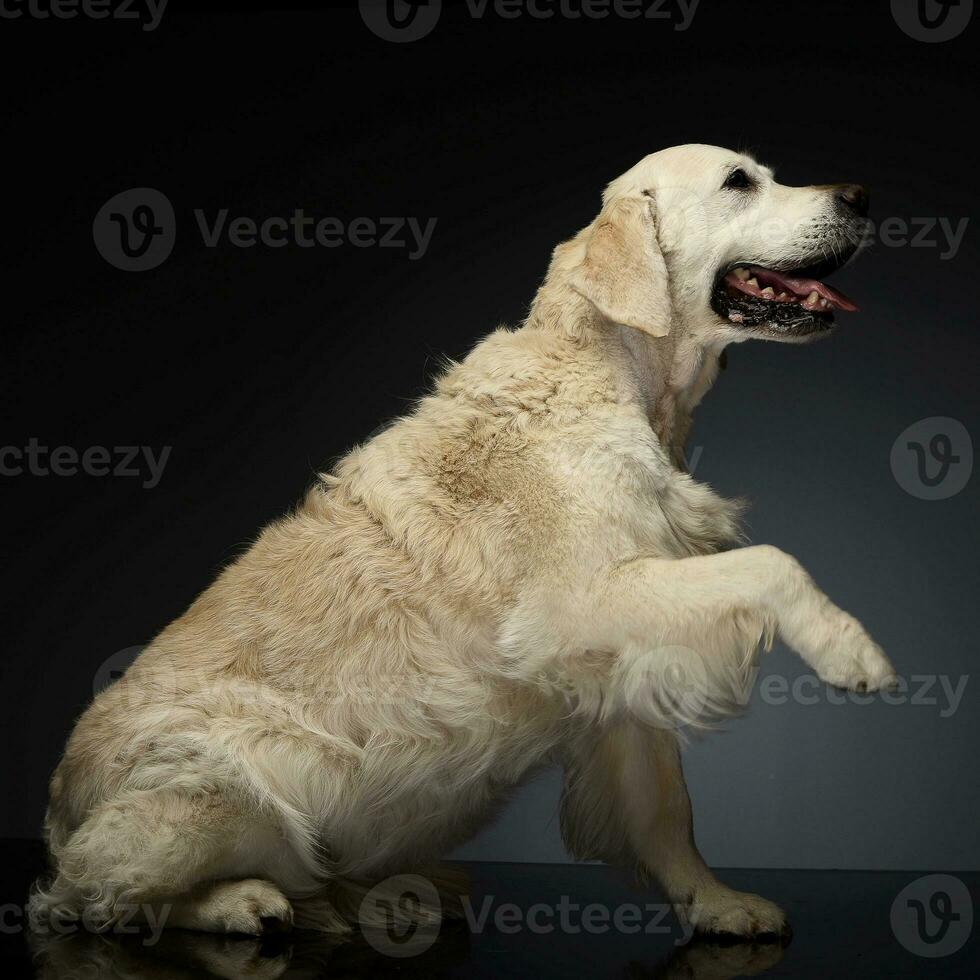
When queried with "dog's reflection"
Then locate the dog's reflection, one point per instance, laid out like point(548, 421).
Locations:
point(180, 955)
point(701, 960)
point(305, 955)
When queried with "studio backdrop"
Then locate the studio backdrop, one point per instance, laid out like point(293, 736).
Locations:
point(236, 245)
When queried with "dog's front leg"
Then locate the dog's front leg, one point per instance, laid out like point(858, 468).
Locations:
point(721, 606)
point(625, 802)
point(625, 797)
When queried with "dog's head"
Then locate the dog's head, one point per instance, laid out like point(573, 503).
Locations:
point(706, 237)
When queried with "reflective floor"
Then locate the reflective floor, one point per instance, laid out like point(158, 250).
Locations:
point(550, 921)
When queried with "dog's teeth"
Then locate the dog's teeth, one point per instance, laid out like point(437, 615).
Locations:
point(782, 297)
point(767, 292)
point(742, 274)
point(813, 297)
point(752, 282)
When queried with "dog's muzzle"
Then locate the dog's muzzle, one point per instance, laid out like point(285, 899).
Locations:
point(793, 302)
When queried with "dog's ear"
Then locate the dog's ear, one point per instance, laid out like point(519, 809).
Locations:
point(623, 272)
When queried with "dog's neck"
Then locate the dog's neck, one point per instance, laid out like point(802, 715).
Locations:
point(672, 374)
point(669, 375)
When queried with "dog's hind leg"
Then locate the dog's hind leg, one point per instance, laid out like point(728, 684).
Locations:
point(625, 801)
point(159, 856)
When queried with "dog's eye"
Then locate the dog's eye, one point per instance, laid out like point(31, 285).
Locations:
point(738, 180)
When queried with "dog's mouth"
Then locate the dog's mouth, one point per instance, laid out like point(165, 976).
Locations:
point(785, 304)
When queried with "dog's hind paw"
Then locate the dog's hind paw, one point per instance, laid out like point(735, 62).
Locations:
point(249, 907)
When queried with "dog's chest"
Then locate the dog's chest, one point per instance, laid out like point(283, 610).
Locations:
point(627, 498)
point(698, 520)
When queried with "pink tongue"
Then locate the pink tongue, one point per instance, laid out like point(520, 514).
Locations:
point(802, 287)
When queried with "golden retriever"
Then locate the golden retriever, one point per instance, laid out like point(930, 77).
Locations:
point(518, 572)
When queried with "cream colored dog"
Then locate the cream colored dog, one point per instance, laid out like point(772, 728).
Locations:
point(520, 571)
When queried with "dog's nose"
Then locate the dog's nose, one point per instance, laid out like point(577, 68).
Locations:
point(854, 197)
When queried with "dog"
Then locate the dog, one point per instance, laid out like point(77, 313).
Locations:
point(519, 572)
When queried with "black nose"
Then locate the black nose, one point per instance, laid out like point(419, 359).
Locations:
point(854, 197)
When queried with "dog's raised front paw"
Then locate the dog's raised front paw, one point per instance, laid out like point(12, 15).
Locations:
point(854, 661)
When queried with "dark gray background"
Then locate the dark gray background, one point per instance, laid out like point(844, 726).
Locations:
point(259, 366)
